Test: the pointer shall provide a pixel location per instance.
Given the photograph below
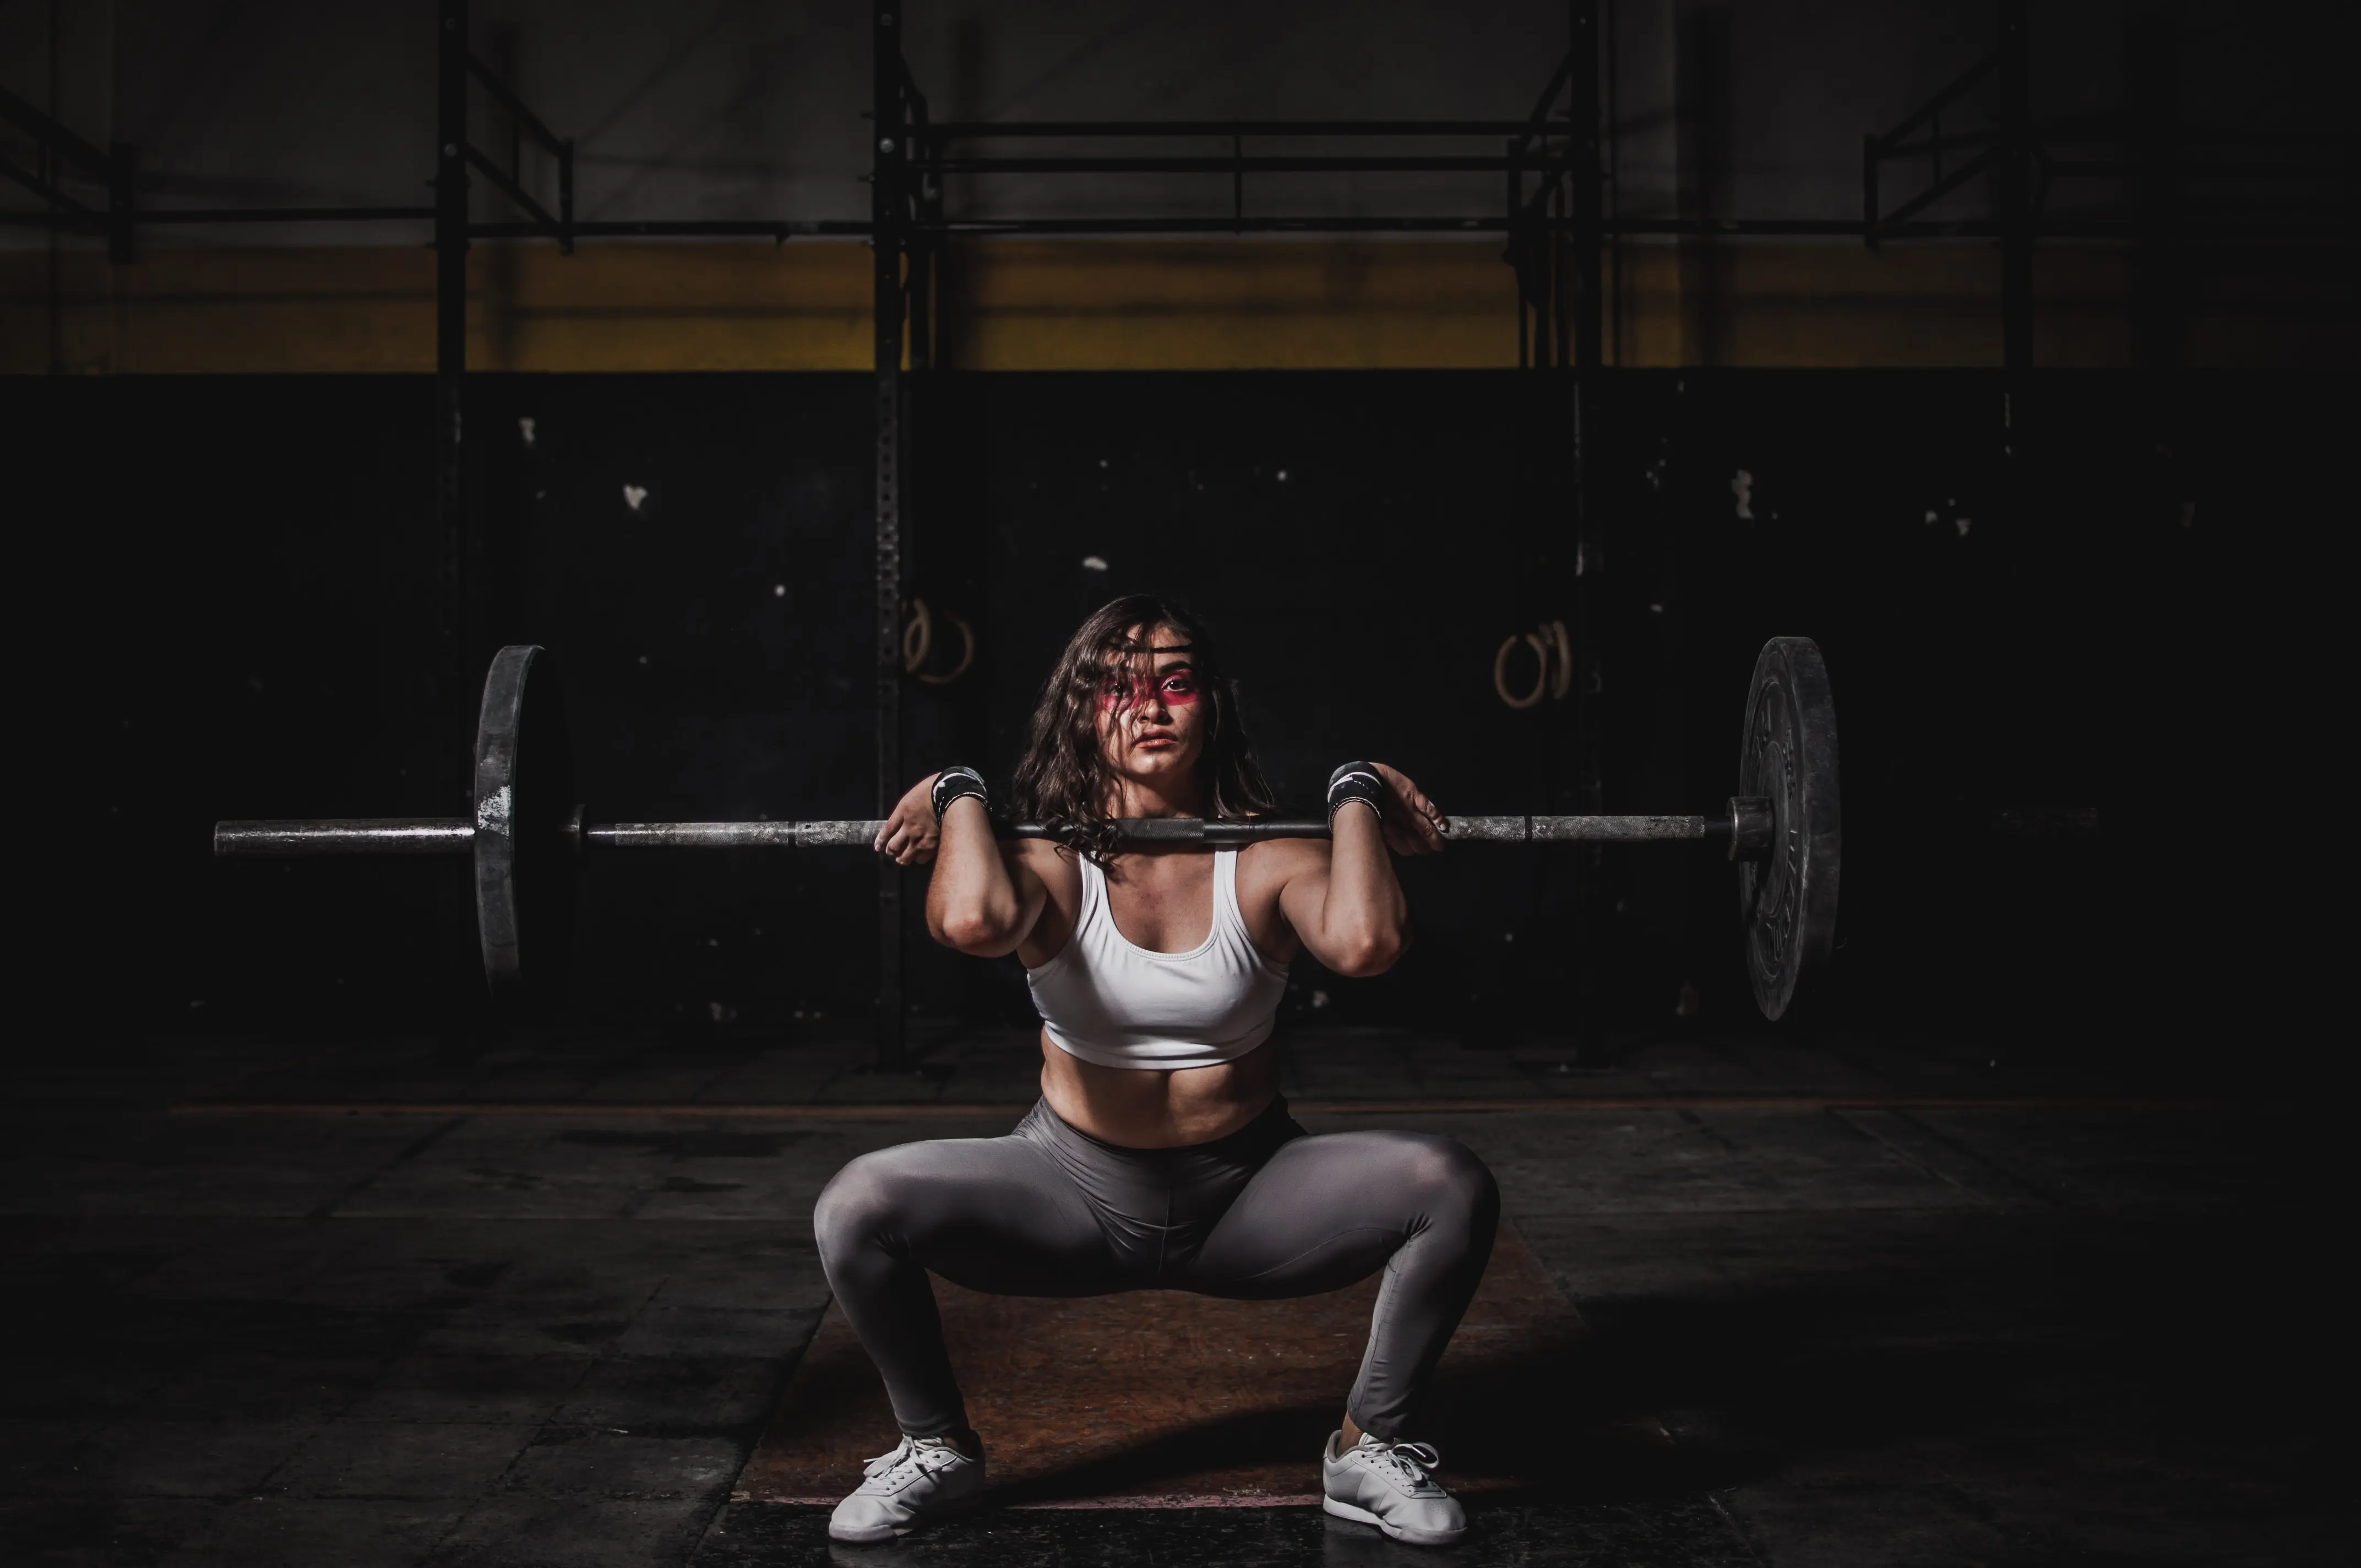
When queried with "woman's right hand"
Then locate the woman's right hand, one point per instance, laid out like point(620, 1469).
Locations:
point(911, 833)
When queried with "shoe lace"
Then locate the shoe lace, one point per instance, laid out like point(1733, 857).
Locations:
point(1413, 1461)
point(905, 1456)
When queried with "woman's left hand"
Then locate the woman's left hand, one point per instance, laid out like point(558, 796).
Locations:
point(909, 837)
point(1411, 823)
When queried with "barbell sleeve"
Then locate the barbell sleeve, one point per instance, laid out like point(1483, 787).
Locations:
point(348, 836)
point(729, 834)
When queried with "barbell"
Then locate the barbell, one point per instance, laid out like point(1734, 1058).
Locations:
point(526, 834)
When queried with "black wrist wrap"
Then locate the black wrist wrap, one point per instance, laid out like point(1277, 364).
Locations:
point(1357, 781)
point(953, 783)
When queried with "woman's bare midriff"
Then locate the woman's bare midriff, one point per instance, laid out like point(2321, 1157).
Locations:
point(1144, 1108)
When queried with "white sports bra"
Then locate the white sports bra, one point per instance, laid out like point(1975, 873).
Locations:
point(1116, 1005)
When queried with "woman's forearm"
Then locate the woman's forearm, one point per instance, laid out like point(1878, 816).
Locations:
point(1365, 917)
point(972, 904)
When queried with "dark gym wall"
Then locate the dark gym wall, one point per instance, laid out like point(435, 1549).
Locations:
point(2068, 610)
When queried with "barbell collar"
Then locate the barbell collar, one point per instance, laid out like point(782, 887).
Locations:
point(1750, 827)
point(348, 836)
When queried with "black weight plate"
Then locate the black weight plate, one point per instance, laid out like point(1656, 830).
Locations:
point(1788, 899)
point(524, 856)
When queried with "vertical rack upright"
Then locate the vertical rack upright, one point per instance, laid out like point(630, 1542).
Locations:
point(889, 156)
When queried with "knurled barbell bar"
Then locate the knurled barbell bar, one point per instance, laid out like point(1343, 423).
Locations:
point(1782, 829)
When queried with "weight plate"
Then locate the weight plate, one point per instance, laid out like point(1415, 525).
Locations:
point(524, 855)
point(1788, 899)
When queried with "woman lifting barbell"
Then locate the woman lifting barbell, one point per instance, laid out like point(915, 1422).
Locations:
point(1160, 1155)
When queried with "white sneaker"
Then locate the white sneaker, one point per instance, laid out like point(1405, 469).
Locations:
point(1390, 1486)
point(924, 1481)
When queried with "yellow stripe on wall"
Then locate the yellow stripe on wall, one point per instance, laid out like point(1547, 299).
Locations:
point(1029, 304)
point(371, 308)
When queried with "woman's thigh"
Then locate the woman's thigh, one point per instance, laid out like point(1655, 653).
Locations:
point(992, 1215)
point(1325, 1211)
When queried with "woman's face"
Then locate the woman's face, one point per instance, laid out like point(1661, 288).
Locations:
point(1150, 723)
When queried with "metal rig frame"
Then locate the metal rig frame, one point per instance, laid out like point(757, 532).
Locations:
point(1553, 221)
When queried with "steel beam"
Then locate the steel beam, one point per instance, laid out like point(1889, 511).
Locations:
point(1589, 317)
point(889, 155)
point(452, 688)
point(2015, 176)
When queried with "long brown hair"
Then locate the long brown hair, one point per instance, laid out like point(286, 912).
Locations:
point(1062, 779)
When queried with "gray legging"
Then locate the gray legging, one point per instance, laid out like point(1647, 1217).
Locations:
point(1267, 1213)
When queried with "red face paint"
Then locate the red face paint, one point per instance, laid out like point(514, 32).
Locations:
point(1175, 687)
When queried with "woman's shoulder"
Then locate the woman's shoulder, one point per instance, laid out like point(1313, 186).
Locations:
point(1047, 859)
point(1280, 859)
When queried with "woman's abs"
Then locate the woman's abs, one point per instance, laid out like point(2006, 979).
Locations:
point(1153, 1109)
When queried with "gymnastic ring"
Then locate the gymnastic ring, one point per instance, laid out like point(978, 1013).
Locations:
point(1563, 681)
point(967, 652)
point(1500, 671)
point(917, 636)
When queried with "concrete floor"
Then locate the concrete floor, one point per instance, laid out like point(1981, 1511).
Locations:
point(1893, 1303)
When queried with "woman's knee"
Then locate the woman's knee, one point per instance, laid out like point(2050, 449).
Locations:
point(1450, 1181)
point(863, 1204)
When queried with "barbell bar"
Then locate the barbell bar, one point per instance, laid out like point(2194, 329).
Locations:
point(525, 837)
point(1745, 826)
